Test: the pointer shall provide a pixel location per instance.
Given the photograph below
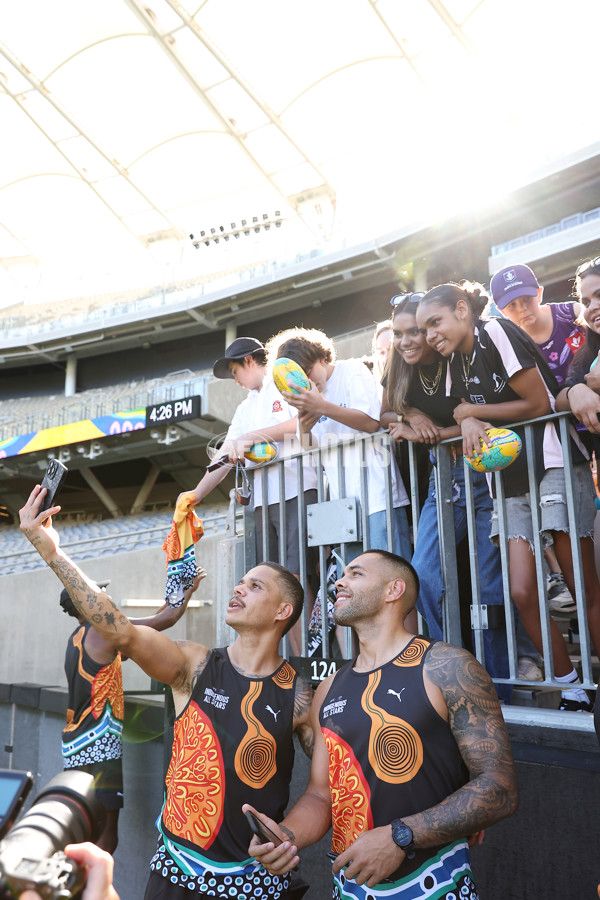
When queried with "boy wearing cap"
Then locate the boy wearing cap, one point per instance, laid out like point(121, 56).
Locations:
point(262, 416)
point(557, 328)
point(559, 331)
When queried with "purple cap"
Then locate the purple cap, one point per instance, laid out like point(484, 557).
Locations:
point(512, 282)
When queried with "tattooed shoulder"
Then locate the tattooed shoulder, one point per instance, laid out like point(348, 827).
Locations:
point(474, 713)
point(303, 697)
point(456, 671)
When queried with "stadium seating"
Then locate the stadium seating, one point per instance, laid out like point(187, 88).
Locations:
point(25, 414)
point(89, 540)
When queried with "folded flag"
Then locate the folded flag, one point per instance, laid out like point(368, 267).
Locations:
point(186, 530)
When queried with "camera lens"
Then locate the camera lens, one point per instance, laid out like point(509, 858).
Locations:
point(65, 812)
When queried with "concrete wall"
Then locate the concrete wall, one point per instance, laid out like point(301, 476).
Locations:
point(35, 630)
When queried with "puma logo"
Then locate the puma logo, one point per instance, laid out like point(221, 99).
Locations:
point(397, 694)
point(275, 714)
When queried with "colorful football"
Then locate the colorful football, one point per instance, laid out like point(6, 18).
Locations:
point(502, 449)
point(261, 453)
point(289, 376)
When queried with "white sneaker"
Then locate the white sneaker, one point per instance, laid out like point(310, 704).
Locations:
point(529, 670)
point(563, 602)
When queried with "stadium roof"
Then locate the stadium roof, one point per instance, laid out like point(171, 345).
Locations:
point(130, 124)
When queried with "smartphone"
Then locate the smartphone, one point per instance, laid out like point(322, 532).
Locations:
point(53, 479)
point(261, 831)
point(14, 788)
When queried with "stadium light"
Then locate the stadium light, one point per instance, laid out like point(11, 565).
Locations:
point(264, 222)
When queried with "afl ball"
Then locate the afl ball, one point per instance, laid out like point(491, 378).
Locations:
point(503, 447)
point(288, 376)
point(261, 453)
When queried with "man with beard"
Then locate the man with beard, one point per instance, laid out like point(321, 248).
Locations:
point(411, 755)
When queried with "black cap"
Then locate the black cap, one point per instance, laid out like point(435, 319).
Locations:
point(67, 604)
point(239, 349)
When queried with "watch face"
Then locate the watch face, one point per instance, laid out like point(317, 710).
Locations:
point(402, 835)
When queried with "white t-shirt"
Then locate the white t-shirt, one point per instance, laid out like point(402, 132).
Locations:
point(352, 386)
point(262, 409)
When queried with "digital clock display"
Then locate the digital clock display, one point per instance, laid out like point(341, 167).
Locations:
point(173, 411)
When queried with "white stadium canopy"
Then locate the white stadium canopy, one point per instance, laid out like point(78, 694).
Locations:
point(273, 125)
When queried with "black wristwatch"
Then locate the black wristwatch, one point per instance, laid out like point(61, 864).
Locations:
point(403, 837)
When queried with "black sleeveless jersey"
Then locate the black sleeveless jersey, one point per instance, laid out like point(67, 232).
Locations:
point(390, 753)
point(232, 744)
point(96, 709)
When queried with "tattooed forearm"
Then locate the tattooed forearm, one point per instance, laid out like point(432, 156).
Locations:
point(89, 601)
point(478, 728)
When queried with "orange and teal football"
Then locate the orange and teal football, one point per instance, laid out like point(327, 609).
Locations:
point(289, 376)
point(261, 453)
point(503, 447)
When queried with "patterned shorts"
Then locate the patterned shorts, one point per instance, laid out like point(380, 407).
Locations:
point(445, 876)
point(167, 882)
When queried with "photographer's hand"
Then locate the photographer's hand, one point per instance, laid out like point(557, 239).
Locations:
point(99, 864)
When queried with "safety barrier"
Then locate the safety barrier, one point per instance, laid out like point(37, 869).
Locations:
point(344, 524)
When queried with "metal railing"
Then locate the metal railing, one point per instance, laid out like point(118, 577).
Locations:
point(455, 626)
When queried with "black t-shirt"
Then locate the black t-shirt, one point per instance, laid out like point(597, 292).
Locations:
point(427, 393)
point(502, 350)
point(434, 403)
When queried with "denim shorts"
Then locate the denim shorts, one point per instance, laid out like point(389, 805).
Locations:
point(553, 507)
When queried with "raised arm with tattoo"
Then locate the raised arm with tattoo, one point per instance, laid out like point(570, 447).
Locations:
point(161, 658)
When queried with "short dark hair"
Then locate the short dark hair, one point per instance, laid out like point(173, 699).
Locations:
point(405, 570)
point(291, 589)
point(259, 357)
point(67, 604)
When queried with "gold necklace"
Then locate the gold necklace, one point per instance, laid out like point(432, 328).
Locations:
point(430, 385)
point(467, 361)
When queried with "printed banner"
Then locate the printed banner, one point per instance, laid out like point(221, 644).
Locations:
point(74, 432)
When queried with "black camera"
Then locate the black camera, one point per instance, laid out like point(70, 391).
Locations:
point(65, 812)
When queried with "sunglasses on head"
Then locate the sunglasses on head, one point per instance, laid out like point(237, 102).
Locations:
point(397, 299)
point(590, 264)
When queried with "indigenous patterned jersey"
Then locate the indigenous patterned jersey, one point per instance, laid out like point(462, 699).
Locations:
point(232, 744)
point(95, 715)
point(392, 755)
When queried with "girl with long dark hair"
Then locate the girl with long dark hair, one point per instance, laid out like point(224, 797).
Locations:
point(501, 378)
point(582, 386)
point(415, 408)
